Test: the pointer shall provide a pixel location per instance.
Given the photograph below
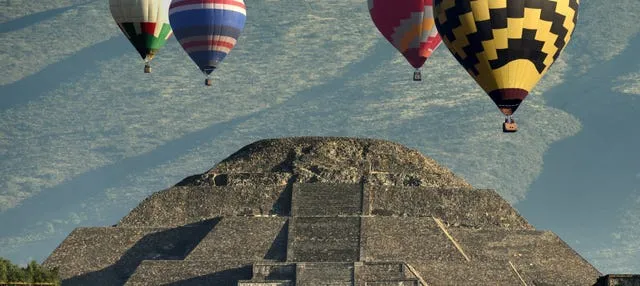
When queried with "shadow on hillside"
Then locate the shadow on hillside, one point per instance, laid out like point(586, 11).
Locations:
point(31, 19)
point(38, 84)
point(171, 244)
point(58, 201)
point(61, 199)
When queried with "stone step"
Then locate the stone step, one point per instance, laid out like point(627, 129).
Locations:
point(324, 274)
point(274, 271)
point(394, 282)
point(326, 254)
point(250, 238)
point(327, 227)
point(325, 283)
point(537, 254)
point(111, 254)
point(236, 179)
point(473, 208)
point(324, 239)
point(325, 199)
point(181, 272)
point(475, 272)
point(182, 205)
point(266, 283)
point(374, 271)
point(619, 279)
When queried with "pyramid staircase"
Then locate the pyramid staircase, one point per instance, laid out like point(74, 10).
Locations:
point(334, 234)
point(322, 211)
point(324, 244)
point(339, 273)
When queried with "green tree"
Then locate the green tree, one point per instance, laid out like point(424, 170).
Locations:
point(33, 273)
point(15, 273)
point(3, 270)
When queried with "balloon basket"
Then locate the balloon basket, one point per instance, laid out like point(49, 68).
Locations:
point(147, 69)
point(417, 76)
point(509, 127)
point(208, 82)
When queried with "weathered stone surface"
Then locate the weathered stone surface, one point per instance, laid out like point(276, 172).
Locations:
point(321, 211)
point(274, 271)
point(460, 207)
point(487, 272)
point(336, 160)
point(244, 238)
point(312, 274)
point(266, 283)
point(491, 271)
point(192, 272)
point(619, 280)
point(183, 205)
point(257, 179)
point(327, 199)
point(238, 179)
point(108, 255)
point(406, 239)
point(376, 271)
point(324, 239)
point(395, 282)
point(536, 254)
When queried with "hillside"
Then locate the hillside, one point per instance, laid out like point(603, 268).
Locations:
point(85, 135)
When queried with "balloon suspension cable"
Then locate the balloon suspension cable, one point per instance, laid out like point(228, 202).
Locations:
point(508, 118)
point(207, 72)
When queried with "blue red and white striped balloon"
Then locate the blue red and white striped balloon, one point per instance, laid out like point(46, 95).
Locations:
point(207, 29)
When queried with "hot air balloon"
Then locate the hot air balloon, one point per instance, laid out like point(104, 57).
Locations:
point(506, 45)
point(145, 23)
point(207, 29)
point(409, 26)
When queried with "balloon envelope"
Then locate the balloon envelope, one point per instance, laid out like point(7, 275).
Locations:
point(506, 45)
point(144, 22)
point(207, 29)
point(408, 25)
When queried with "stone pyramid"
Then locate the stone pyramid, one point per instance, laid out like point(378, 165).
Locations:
point(321, 211)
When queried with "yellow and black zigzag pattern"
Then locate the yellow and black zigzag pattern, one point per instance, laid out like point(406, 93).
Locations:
point(506, 45)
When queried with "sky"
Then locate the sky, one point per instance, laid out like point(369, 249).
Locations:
point(85, 135)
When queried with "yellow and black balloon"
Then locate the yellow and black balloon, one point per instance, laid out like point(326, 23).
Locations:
point(506, 45)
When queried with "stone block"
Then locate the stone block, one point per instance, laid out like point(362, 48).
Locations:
point(323, 199)
point(395, 282)
point(162, 272)
point(373, 271)
point(183, 205)
point(406, 239)
point(315, 239)
point(324, 273)
point(109, 255)
point(274, 271)
point(246, 238)
point(619, 280)
point(537, 255)
point(266, 283)
point(460, 207)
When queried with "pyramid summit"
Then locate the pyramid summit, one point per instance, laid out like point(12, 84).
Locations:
point(321, 211)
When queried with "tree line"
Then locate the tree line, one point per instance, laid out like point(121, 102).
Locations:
point(32, 273)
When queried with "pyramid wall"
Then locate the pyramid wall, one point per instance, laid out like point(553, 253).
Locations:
point(308, 211)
